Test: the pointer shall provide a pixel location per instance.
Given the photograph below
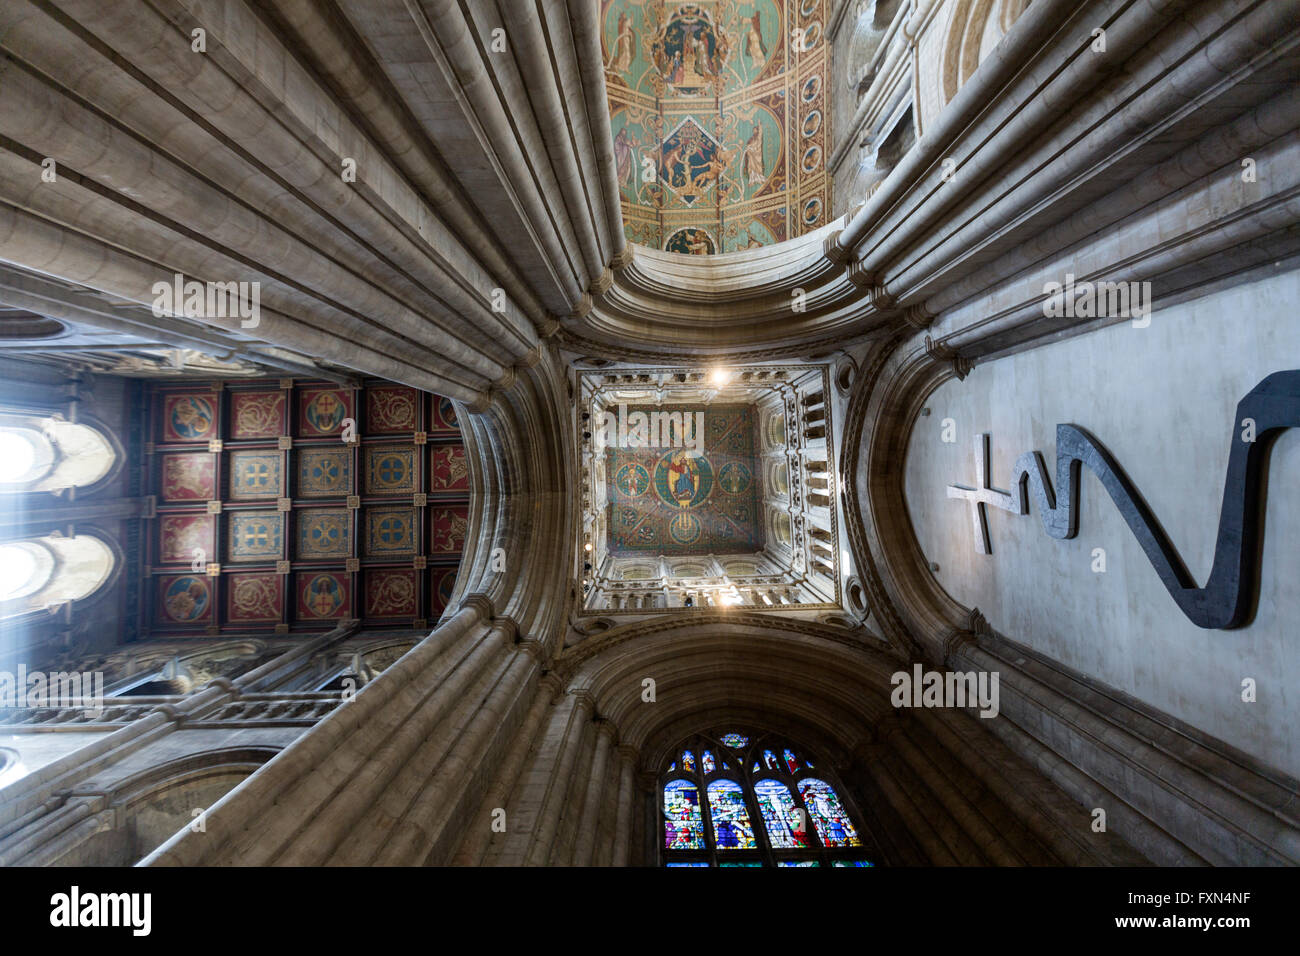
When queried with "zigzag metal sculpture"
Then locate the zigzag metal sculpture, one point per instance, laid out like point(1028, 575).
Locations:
point(1228, 598)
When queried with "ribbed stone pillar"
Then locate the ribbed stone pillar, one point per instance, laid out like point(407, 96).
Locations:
point(443, 783)
point(479, 834)
point(972, 824)
point(577, 708)
point(590, 818)
point(914, 817)
point(626, 795)
point(263, 817)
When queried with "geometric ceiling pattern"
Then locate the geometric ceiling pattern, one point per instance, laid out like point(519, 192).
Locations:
point(719, 118)
point(670, 501)
point(284, 505)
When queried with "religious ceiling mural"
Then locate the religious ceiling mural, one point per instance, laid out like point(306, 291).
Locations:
point(289, 506)
point(677, 500)
point(719, 118)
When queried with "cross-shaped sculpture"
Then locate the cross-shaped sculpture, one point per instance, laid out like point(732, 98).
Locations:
point(985, 494)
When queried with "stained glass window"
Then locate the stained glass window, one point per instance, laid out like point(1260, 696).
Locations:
point(828, 815)
point(731, 827)
point(775, 814)
point(784, 821)
point(683, 822)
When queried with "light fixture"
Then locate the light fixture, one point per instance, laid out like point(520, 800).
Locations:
point(587, 546)
point(720, 377)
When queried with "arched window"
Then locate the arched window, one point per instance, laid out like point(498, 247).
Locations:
point(45, 572)
point(49, 454)
point(738, 799)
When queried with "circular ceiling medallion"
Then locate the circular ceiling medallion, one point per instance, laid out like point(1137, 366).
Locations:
point(683, 480)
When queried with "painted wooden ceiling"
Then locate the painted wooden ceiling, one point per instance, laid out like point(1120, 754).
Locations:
point(719, 118)
point(672, 501)
point(268, 517)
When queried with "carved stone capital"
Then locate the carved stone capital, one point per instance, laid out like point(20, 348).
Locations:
point(583, 308)
point(583, 698)
point(533, 648)
point(833, 251)
point(946, 353)
point(918, 316)
point(623, 258)
point(506, 380)
point(480, 404)
point(507, 627)
point(479, 602)
point(602, 283)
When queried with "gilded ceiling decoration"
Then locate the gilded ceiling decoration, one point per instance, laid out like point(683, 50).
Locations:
point(719, 121)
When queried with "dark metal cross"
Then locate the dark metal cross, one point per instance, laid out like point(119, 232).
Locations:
point(986, 494)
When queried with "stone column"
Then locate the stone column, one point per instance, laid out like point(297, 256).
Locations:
point(579, 706)
point(590, 817)
point(626, 795)
point(479, 835)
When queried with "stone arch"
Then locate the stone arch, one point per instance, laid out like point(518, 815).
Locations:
point(973, 31)
point(149, 807)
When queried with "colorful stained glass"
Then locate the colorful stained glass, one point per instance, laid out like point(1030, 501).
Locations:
point(852, 863)
point(828, 813)
point(786, 829)
point(769, 761)
point(688, 762)
point(797, 863)
point(731, 827)
point(673, 767)
point(755, 768)
point(736, 864)
point(706, 759)
point(688, 864)
point(791, 761)
point(683, 819)
point(734, 740)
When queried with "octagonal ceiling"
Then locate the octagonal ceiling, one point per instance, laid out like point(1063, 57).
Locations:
point(718, 118)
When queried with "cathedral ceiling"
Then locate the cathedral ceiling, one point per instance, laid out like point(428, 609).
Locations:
point(673, 501)
point(268, 518)
point(718, 115)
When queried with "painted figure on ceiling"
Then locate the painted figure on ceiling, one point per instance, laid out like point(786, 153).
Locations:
point(754, 45)
point(752, 164)
point(623, 155)
point(620, 61)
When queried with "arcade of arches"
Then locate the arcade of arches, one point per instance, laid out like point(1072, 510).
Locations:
point(766, 433)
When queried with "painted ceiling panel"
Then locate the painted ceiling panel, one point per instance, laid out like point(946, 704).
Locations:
point(267, 519)
point(717, 112)
point(666, 500)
